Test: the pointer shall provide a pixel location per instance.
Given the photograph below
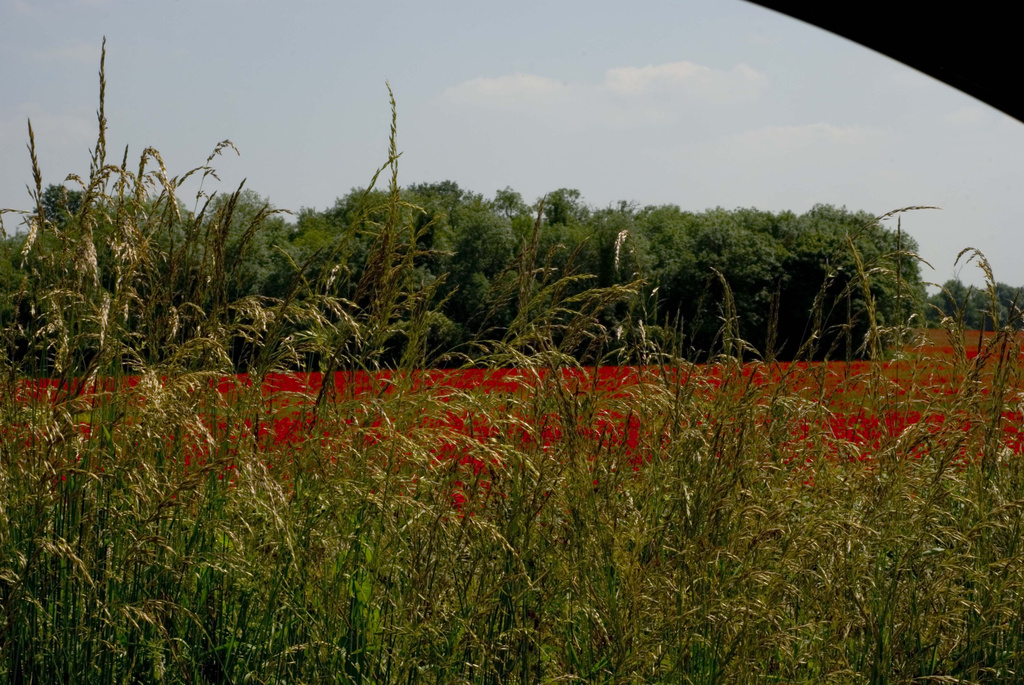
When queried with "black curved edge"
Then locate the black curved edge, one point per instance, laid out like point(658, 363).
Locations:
point(976, 48)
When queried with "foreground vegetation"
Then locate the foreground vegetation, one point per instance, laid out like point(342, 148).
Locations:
point(162, 520)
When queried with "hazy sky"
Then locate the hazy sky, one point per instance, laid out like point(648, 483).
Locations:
point(701, 103)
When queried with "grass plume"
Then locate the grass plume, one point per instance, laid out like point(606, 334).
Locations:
point(335, 517)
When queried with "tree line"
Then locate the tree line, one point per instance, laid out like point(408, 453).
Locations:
point(990, 308)
point(822, 284)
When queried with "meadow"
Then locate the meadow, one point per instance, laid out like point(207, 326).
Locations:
point(350, 510)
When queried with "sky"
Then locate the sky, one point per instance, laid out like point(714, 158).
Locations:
point(697, 103)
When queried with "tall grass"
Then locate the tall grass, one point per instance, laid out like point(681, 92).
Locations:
point(696, 526)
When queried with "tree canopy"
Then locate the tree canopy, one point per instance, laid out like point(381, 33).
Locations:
point(747, 281)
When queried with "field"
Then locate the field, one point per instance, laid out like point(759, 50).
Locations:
point(363, 508)
point(673, 523)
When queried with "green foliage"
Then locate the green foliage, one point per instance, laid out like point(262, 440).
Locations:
point(151, 530)
point(61, 204)
point(772, 278)
point(976, 309)
point(565, 207)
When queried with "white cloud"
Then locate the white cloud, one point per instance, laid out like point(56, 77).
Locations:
point(627, 96)
point(772, 141)
point(506, 90)
point(700, 82)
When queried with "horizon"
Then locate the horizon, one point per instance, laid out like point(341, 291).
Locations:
point(697, 104)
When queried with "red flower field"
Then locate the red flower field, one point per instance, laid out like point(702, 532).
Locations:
point(850, 412)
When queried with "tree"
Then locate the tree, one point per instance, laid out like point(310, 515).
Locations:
point(565, 206)
point(60, 203)
point(974, 308)
point(483, 246)
point(510, 204)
